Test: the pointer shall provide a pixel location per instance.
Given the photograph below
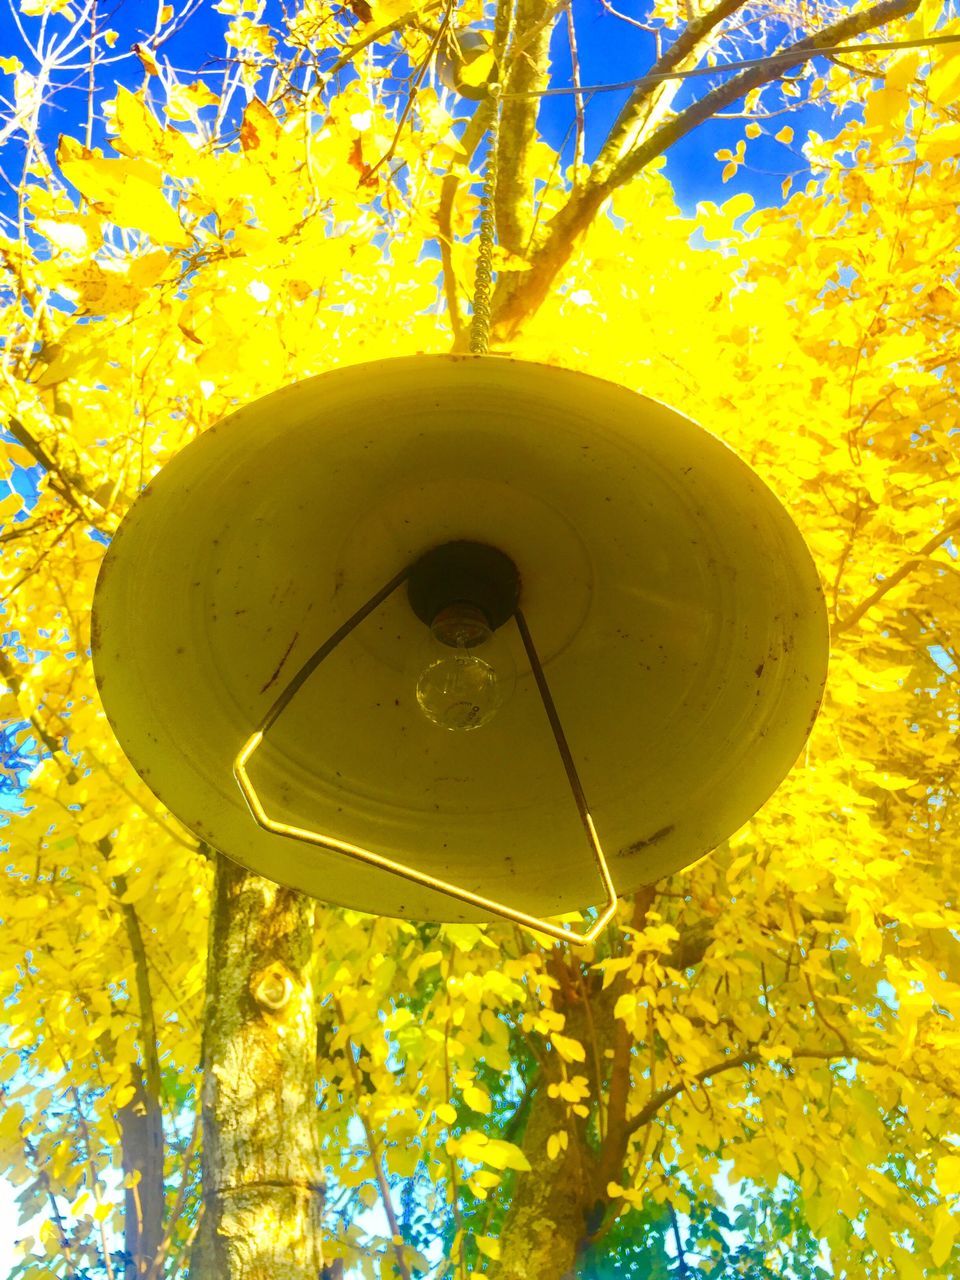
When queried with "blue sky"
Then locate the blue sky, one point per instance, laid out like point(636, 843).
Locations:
point(610, 50)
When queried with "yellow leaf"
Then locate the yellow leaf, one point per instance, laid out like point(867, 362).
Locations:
point(785, 135)
point(252, 37)
point(465, 936)
point(147, 269)
point(737, 205)
point(147, 60)
point(137, 889)
point(127, 192)
point(10, 66)
point(386, 11)
point(753, 130)
point(488, 1246)
point(446, 1114)
point(139, 133)
point(887, 781)
point(948, 1175)
point(568, 1049)
point(471, 1146)
point(9, 707)
point(97, 828)
point(885, 110)
point(477, 1099)
point(930, 920)
point(477, 71)
point(102, 1212)
point(9, 506)
point(946, 1225)
point(942, 144)
point(943, 82)
point(625, 1006)
point(504, 1155)
point(728, 171)
point(902, 69)
point(185, 100)
point(259, 128)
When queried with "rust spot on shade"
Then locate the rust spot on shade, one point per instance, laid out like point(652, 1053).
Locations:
point(638, 846)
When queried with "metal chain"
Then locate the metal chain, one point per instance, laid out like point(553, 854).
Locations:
point(483, 279)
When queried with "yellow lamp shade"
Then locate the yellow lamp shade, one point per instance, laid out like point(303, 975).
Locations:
point(675, 608)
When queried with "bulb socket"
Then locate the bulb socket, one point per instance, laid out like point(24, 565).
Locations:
point(461, 626)
point(464, 575)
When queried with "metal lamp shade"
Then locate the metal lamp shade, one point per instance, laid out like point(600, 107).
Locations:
point(676, 610)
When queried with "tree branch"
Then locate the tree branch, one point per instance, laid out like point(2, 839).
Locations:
point(649, 103)
point(184, 1159)
point(682, 1269)
point(690, 947)
point(519, 294)
point(659, 1100)
point(526, 63)
point(60, 482)
point(896, 577)
point(143, 1130)
point(413, 17)
point(580, 141)
point(750, 1059)
point(77, 490)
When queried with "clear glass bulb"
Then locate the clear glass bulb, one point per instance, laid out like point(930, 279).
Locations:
point(459, 689)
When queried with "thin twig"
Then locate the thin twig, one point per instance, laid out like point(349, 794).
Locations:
point(896, 577)
point(367, 178)
point(580, 140)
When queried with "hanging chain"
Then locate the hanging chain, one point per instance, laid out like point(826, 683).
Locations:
point(483, 279)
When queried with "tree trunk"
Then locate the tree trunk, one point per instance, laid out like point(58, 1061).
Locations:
point(549, 1216)
point(141, 1120)
point(262, 1190)
point(141, 1148)
point(545, 1226)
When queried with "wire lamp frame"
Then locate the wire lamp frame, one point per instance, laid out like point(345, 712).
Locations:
point(384, 863)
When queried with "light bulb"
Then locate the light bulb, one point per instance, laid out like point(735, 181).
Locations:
point(460, 689)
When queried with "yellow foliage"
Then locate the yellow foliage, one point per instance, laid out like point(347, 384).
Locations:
point(790, 1003)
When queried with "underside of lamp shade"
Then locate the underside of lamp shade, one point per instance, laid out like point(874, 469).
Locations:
point(675, 607)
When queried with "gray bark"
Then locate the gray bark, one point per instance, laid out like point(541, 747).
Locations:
point(262, 1169)
point(545, 1226)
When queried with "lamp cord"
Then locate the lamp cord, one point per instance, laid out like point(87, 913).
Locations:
point(794, 55)
point(483, 278)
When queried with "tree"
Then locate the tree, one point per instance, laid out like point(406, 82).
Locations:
point(755, 1072)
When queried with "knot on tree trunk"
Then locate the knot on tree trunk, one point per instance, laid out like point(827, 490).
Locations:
point(272, 987)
